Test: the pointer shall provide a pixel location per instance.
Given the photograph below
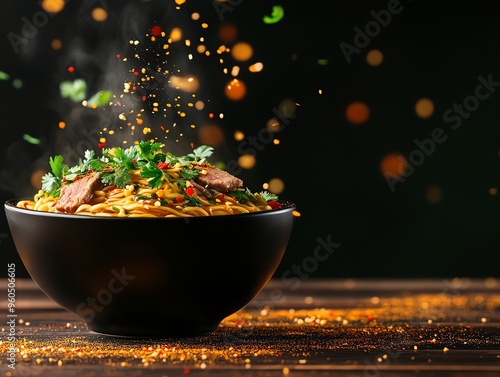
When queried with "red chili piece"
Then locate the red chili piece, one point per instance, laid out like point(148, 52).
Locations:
point(274, 204)
point(156, 30)
point(162, 165)
point(190, 191)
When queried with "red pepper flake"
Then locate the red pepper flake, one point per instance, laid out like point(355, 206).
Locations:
point(179, 199)
point(274, 204)
point(370, 318)
point(111, 188)
point(134, 161)
point(190, 191)
point(144, 98)
point(162, 165)
point(71, 69)
point(25, 205)
point(101, 145)
point(136, 73)
point(191, 145)
point(156, 30)
point(118, 56)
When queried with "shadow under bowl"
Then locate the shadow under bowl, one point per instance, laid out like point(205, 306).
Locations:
point(151, 277)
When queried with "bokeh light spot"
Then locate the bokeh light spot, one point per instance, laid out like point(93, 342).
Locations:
point(434, 194)
point(276, 186)
point(493, 191)
point(56, 44)
point(199, 105)
point(53, 6)
point(242, 51)
point(287, 108)
point(176, 34)
point(247, 161)
point(424, 108)
point(374, 58)
point(357, 113)
point(210, 134)
point(273, 125)
point(239, 136)
point(228, 33)
point(393, 165)
point(99, 14)
point(235, 90)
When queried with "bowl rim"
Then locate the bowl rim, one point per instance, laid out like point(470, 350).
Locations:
point(10, 205)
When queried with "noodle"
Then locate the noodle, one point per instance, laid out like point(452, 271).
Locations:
point(174, 193)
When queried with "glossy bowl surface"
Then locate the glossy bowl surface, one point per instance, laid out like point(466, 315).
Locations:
point(143, 277)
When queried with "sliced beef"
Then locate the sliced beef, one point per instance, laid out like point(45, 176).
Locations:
point(79, 192)
point(203, 191)
point(218, 179)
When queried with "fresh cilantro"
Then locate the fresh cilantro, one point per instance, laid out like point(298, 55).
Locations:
point(119, 177)
point(155, 176)
point(244, 196)
point(189, 174)
point(201, 153)
point(240, 195)
point(57, 165)
point(192, 201)
point(148, 149)
point(51, 182)
point(267, 196)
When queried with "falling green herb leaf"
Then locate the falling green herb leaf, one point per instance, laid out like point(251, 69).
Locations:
point(74, 90)
point(277, 14)
point(17, 83)
point(31, 139)
point(4, 76)
point(101, 98)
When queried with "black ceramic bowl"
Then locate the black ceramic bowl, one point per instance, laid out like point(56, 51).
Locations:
point(151, 277)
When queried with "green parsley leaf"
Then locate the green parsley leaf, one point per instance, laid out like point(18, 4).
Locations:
point(155, 176)
point(51, 184)
point(267, 196)
point(57, 165)
point(201, 153)
point(189, 174)
point(119, 177)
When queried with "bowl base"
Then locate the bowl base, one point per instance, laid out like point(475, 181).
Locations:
point(149, 332)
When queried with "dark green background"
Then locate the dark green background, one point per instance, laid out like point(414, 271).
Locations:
point(330, 167)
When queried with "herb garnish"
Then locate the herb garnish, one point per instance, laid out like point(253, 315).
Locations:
point(116, 164)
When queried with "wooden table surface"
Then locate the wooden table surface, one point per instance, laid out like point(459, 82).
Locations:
point(338, 327)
